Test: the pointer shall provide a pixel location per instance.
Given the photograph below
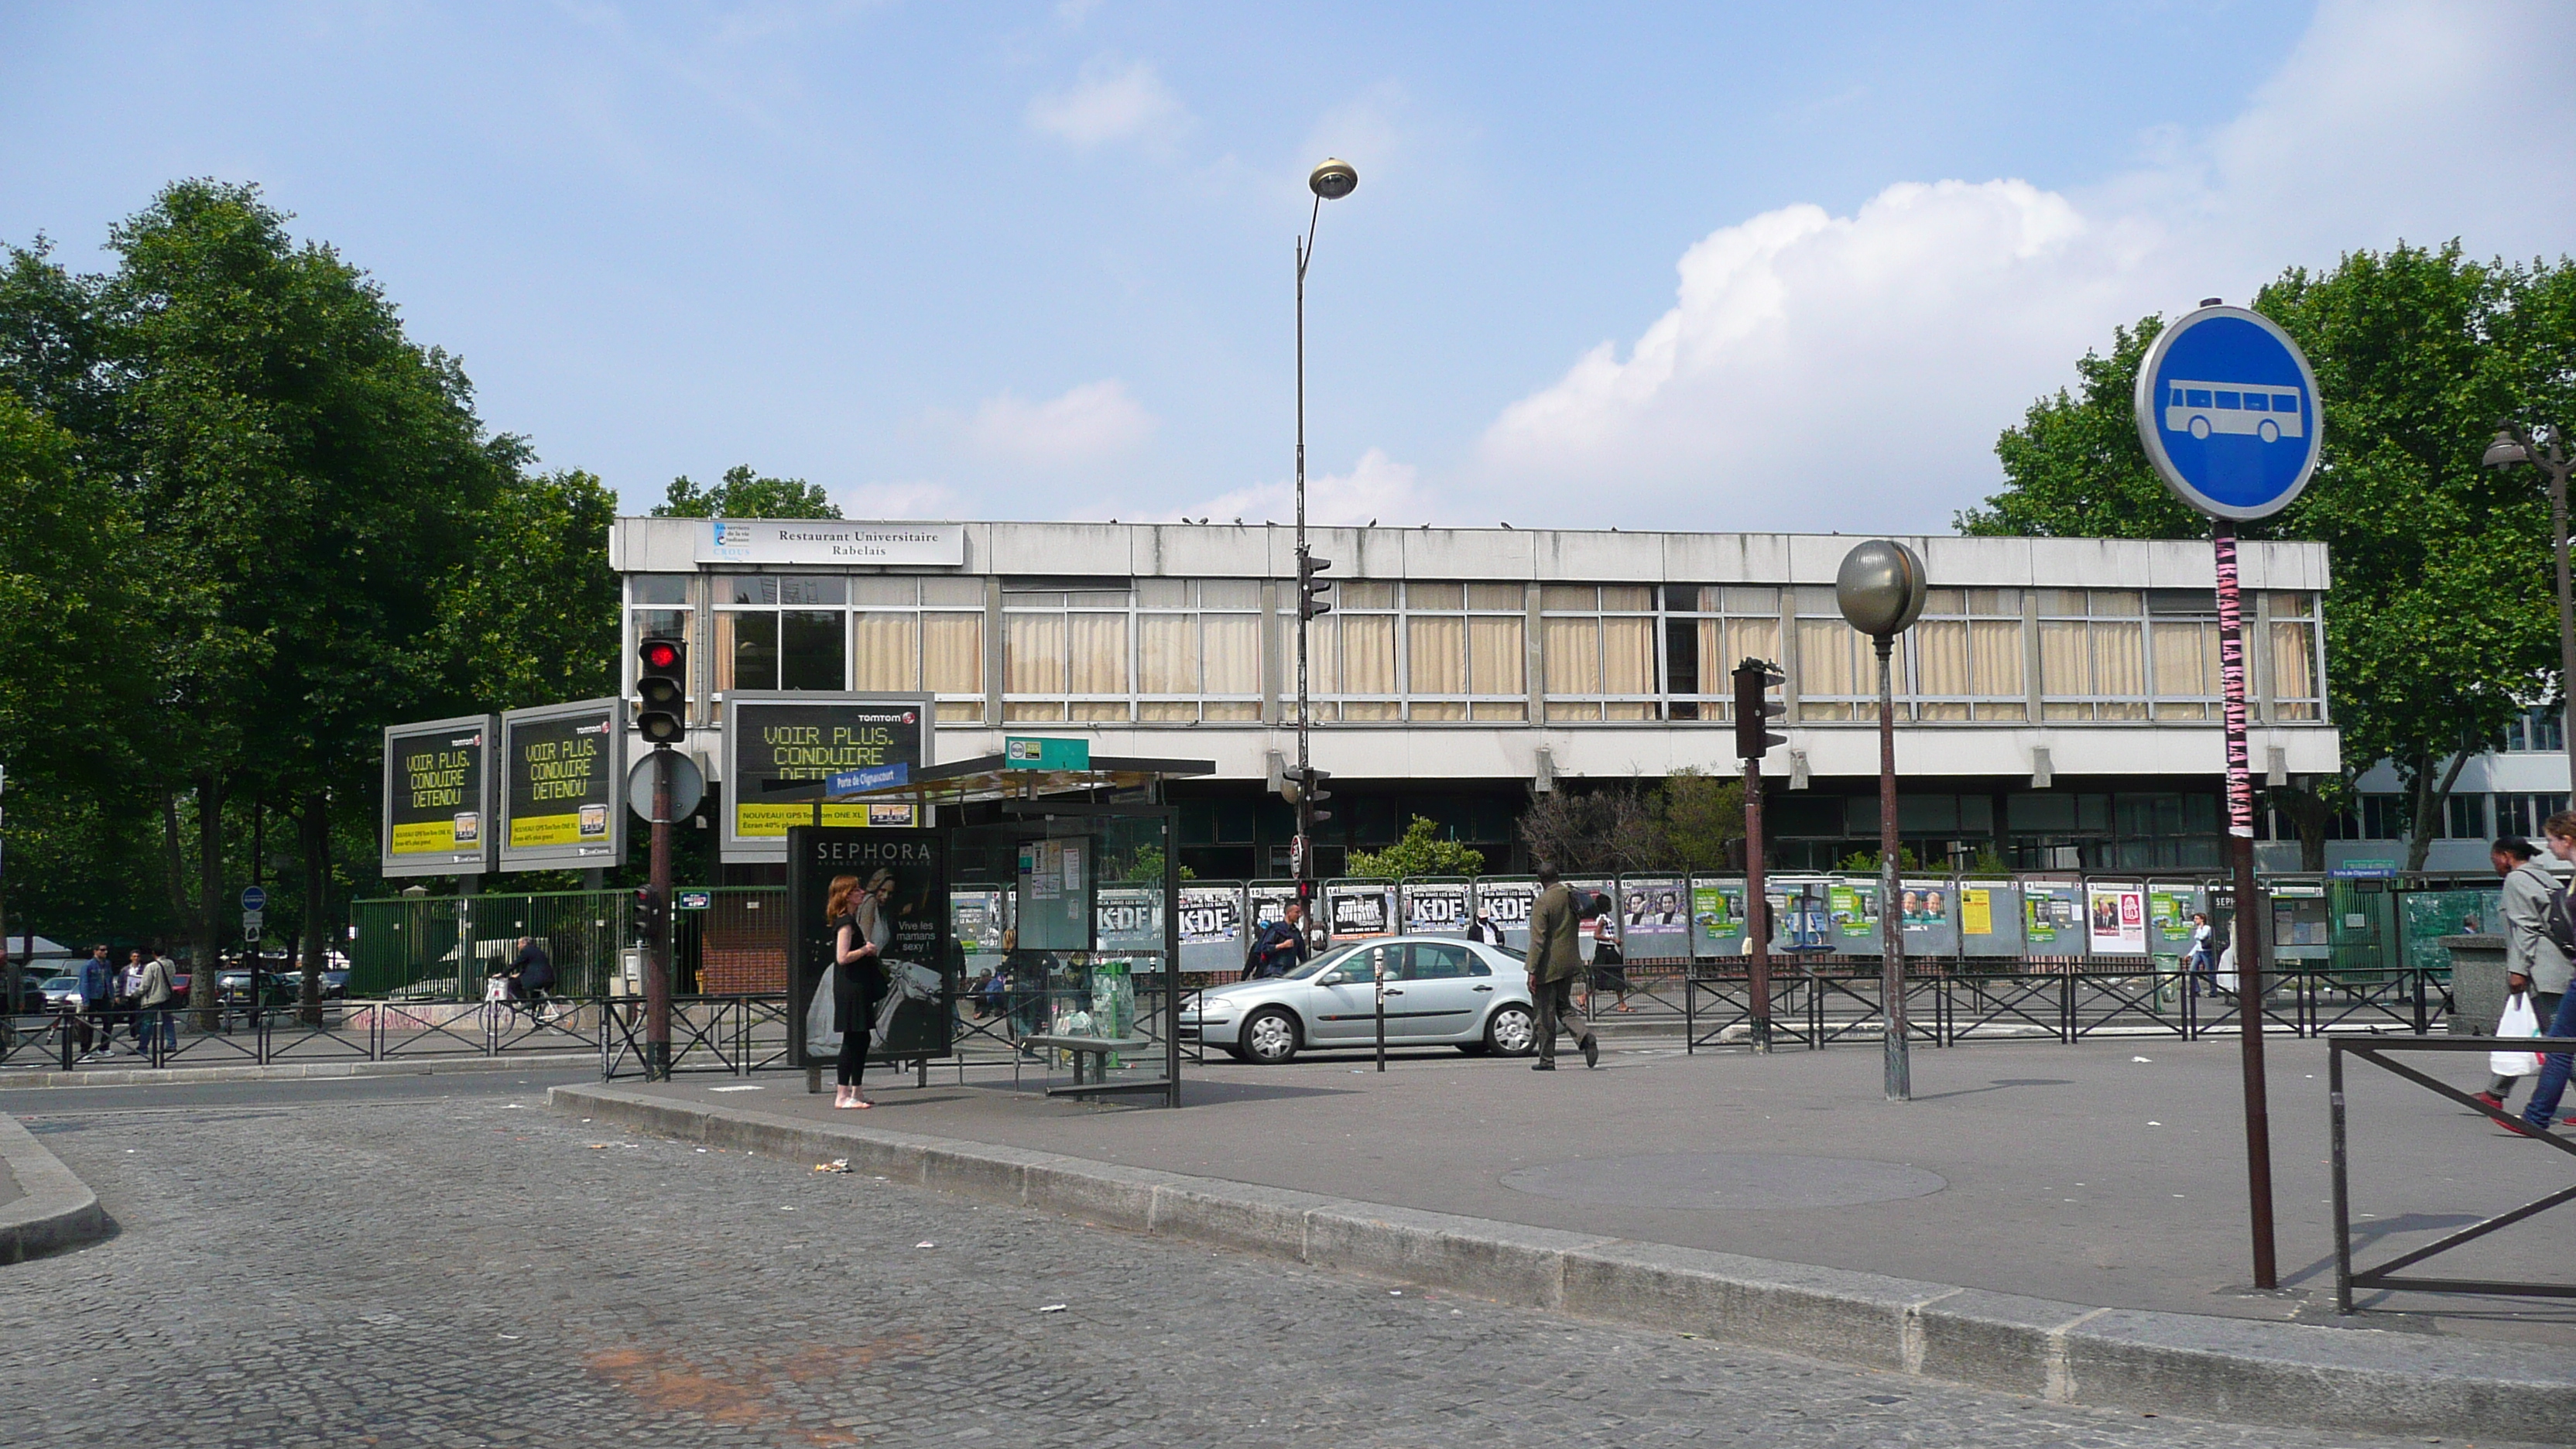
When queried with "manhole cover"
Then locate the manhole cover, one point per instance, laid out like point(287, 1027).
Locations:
point(1736, 1180)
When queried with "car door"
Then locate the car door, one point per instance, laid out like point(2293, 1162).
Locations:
point(1444, 995)
point(1342, 1001)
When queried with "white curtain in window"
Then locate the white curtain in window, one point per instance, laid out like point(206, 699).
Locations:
point(2186, 660)
point(2119, 661)
point(1167, 654)
point(1752, 639)
point(1099, 653)
point(1994, 659)
point(1571, 653)
point(2065, 668)
point(1716, 663)
point(1033, 654)
point(885, 652)
point(1941, 657)
point(1627, 654)
point(2294, 661)
point(1230, 654)
point(952, 654)
point(1368, 654)
point(1436, 654)
point(1496, 660)
point(1825, 660)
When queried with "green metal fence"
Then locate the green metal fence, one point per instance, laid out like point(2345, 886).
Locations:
point(442, 947)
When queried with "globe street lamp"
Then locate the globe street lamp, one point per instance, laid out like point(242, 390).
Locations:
point(2513, 445)
point(1331, 180)
point(1881, 590)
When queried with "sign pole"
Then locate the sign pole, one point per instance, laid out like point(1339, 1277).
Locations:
point(2249, 908)
point(657, 951)
point(1757, 901)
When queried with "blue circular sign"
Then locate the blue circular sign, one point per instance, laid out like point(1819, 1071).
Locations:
point(2227, 409)
point(254, 899)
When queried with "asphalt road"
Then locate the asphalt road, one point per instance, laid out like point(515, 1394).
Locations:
point(441, 1261)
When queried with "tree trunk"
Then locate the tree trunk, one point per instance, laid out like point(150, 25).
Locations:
point(317, 875)
point(2430, 800)
point(175, 867)
point(204, 990)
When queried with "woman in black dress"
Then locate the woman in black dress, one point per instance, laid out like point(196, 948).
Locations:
point(857, 981)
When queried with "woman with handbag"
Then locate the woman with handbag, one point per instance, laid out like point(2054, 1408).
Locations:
point(856, 981)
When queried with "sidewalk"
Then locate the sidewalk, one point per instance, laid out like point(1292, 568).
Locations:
point(107, 1074)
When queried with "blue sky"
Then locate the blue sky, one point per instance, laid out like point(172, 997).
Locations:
point(1684, 266)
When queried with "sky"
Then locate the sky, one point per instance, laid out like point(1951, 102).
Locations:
point(1702, 266)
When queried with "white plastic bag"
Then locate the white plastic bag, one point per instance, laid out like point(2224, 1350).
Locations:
point(2519, 1020)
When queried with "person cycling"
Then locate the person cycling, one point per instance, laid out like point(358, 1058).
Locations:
point(533, 972)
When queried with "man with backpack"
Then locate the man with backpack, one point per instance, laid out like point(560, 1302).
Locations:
point(2533, 961)
point(1279, 947)
point(1555, 959)
point(2560, 833)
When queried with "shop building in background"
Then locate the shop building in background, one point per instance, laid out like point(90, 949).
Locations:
point(2058, 704)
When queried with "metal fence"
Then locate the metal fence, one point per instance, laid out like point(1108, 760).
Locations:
point(345, 1031)
point(441, 947)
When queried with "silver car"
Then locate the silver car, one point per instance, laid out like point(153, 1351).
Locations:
point(1439, 992)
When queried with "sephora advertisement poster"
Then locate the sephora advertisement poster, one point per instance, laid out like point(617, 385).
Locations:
point(898, 901)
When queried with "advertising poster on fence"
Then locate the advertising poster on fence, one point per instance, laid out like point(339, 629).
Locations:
point(1506, 903)
point(2116, 919)
point(1211, 915)
point(1359, 908)
point(781, 738)
point(897, 901)
point(2052, 918)
point(563, 771)
point(1269, 902)
point(1435, 908)
point(1717, 918)
point(437, 780)
point(1129, 918)
point(1654, 923)
point(1854, 906)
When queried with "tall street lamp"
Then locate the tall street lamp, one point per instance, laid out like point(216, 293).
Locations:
point(1881, 589)
point(2514, 445)
point(1330, 181)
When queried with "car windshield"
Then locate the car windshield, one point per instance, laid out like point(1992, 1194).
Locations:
point(1322, 963)
point(1512, 951)
point(60, 983)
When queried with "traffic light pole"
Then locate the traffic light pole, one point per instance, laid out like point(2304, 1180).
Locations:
point(1757, 924)
point(657, 950)
point(1305, 846)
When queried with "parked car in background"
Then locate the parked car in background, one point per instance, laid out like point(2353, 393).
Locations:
point(62, 993)
point(233, 987)
point(1440, 991)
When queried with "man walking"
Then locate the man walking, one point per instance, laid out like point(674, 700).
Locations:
point(1281, 946)
point(2560, 833)
point(98, 1005)
point(1555, 959)
point(153, 1018)
point(2532, 961)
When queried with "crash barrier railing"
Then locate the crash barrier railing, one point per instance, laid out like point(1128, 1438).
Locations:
point(444, 946)
point(342, 1031)
point(728, 1034)
point(2379, 1052)
point(1816, 1004)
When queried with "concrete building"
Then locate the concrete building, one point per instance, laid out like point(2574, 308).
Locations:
point(2058, 704)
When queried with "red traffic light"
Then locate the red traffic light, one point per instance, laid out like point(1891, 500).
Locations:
point(661, 654)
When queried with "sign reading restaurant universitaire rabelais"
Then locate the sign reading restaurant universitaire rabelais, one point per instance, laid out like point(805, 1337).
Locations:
point(437, 810)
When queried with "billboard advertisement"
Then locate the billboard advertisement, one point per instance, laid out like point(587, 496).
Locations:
point(563, 777)
point(900, 904)
point(438, 797)
point(773, 736)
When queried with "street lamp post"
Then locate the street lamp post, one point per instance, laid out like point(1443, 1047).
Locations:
point(1331, 180)
point(2515, 445)
point(1881, 589)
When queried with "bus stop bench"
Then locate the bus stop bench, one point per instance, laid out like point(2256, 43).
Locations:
point(1097, 1048)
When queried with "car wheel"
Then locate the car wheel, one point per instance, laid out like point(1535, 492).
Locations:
point(1270, 1037)
point(1511, 1031)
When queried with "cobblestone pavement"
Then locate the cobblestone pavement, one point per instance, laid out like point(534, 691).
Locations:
point(475, 1270)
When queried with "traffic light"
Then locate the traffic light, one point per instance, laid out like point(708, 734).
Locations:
point(1755, 709)
point(1313, 791)
point(1313, 594)
point(660, 667)
point(647, 919)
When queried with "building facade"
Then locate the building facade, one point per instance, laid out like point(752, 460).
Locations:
point(2058, 704)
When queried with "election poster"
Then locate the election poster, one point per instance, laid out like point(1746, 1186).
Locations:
point(892, 890)
point(1653, 921)
point(562, 773)
point(2116, 919)
point(2052, 918)
point(437, 797)
point(774, 738)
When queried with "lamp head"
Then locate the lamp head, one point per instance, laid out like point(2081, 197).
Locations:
point(1333, 179)
point(1881, 588)
point(2504, 452)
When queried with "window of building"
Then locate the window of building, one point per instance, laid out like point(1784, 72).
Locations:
point(912, 635)
point(1967, 656)
point(2298, 667)
point(1067, 654)
point(2383, 817)
point(657, 607)
point(2466, 817)
point(2524, 815)
point(1837, 665)
point(1597, 647)
point(2092, 654)
point(2182, 654)
point(1198, 650)
point(1464, 656)
point(2541, 727)
point(1707, 632)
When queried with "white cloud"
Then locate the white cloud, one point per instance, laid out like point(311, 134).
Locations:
point(1084, 424)
point(1112, 102)
point(1852, 372)
point(1377, 489)
point(912, 499)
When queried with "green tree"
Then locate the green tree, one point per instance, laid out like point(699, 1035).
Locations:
point(1703, 819)
point(2440, 625)
point(1422, 850)
point(531, 616)
point(745, 495)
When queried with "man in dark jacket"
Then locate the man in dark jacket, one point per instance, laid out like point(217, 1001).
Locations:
point(1280, 946)
point(1555, 959)
point(98, 1004)
point(534, 970)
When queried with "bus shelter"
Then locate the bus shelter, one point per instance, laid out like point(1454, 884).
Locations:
point(1043, 893)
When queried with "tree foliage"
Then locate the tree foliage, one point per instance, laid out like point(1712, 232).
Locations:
point(1688, 821)
point(2441, 623)
point(1421, 850)
point(743, 494)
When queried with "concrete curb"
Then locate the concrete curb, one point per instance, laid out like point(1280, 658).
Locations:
point(57, 1211)
point(2368, 1380)
point(293, 1071)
